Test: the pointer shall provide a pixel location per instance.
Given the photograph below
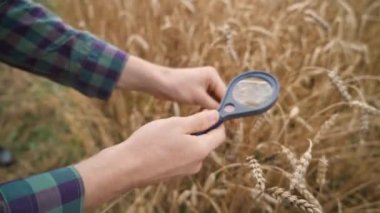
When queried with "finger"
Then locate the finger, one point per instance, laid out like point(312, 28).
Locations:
point(206, 101)
point(200, 121)
point(214, 138)
point(220, 88)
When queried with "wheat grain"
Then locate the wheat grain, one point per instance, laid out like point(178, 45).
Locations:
point(283, 195)
point(258, 124)
point(183, 196)
point(294, 112)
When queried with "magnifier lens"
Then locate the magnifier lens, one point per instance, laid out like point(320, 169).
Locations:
point(252, 92)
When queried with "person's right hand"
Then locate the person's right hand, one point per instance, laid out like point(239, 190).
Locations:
point(157, 151)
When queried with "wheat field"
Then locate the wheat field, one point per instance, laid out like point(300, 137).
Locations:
point(317, 150)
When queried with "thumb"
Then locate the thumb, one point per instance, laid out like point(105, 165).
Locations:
point(200, 121)
point(206, 101)
point(213, 138)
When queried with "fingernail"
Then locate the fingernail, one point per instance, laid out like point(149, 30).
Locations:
point(213, 116)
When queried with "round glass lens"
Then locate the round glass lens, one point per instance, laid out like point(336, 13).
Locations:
point(252, 92)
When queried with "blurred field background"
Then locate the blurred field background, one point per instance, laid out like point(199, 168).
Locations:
point(49, 126)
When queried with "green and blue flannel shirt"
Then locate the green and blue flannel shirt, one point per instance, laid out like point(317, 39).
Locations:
point(35, 40)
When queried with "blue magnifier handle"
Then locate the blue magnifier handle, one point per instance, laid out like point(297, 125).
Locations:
point(216, 125)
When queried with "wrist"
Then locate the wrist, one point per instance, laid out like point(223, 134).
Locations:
point(105, 175)
point(143, 76)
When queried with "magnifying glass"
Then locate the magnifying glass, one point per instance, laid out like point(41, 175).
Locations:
point(250, 93)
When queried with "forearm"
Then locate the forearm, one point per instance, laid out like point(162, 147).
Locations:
point(111, 172)
point(141, 75)
point(37, 41)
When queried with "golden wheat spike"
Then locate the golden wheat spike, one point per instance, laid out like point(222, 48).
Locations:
point(322, 170)
point(326, 126)
point(300, 170)
point(283, 195)
point(257, 173)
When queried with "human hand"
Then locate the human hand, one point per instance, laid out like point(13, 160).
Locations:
point(202, 86)
point(157, 151)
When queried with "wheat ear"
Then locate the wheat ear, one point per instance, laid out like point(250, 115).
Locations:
point(257, 173)
point(325, 127)
point(300, 171)
point(322, 170)
point(337, 81)
point(292, 158)
point(230, 50)
point(283, 195)
point(302, 189)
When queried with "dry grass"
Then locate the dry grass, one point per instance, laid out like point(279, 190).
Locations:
point(301, 42)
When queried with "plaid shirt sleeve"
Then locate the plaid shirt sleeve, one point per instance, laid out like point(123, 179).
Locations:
point(59, 190)
point(35, 40)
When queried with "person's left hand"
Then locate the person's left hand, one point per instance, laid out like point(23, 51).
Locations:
point(201, 86)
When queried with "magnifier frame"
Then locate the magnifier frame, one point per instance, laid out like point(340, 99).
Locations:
point(242, 110)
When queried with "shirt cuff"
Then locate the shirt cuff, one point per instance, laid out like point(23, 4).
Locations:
point(100, 68)
point(59, 190)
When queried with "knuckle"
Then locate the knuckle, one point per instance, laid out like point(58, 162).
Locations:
point(211, 68)
point(213, 71)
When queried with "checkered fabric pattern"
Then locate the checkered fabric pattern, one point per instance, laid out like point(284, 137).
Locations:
point(35, 40)
point(59, 190)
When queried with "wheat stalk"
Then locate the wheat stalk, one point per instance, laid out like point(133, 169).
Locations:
point(283, 195)
point(367, 108)
point(257, 173)
point(209, 182)
point(318, 19)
